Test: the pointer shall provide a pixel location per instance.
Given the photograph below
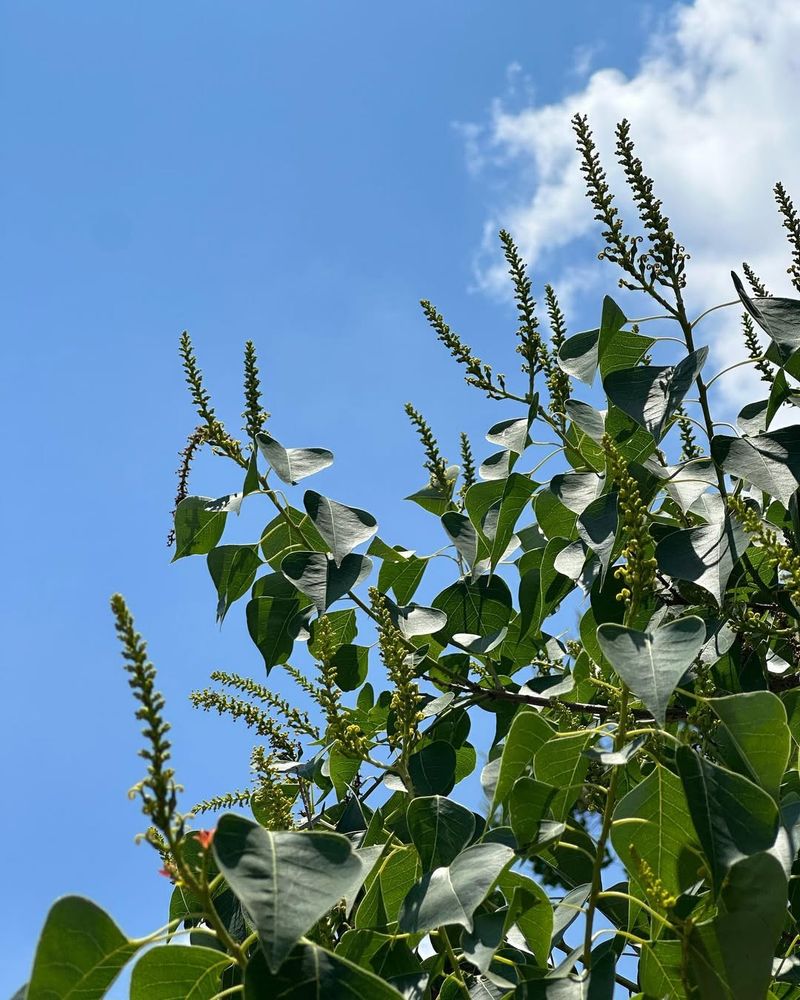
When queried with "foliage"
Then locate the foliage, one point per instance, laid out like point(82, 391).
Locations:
point(641, 794)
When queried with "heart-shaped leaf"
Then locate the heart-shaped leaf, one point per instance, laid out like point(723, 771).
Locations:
point(342, 527)
point(80, 953)
point(293, 464)
point(178, 973)
point(317, 576)
point(312, 971)
point(651, 394)
point(597, 527)
point(769, 461)
point(200, 521)
point(511, 435)
point(451, 895)
point(273, 625)
point(704, 555)
point(285, 880)
point(440, 829)
point(778, 317)
point(576, 490)
point(652, 663)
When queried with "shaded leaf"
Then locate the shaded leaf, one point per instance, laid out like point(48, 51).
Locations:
point(753, 736)
point(704, 555)
point(233, 569)
point(733, 817)
point(769, 461)
point(432, 769)
point(273, 626)
point(314, 972)
point(318, 577)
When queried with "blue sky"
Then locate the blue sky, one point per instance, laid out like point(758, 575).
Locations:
point(298, 174)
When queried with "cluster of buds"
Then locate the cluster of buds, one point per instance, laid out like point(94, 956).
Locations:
point(400, 668)
point(638, 573)
point(779, 556)
point(328, 696)
point(657, 894)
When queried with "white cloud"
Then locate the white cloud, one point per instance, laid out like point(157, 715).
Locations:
point(714, 113)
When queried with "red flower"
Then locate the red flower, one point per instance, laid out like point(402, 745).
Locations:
point(204, 838)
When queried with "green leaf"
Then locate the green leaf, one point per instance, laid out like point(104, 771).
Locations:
point(704, 555)
point(273, 626)
point(733, 817)
point(560, 762)
point(528, 805)
point(518, 491)
point(313, 972)
point(433, 769)
point(292, 464)
point(451, 895)
point(660, 970)
point(395, 876)
point(586, 418)
point(652, 663)
point(597, 528)
point(440, 829)
point(80, 953)
point(753, 737)
point(576, 490)
point(730, 956)
point(462, 534)
point(769, 461)
point(651, 394)
point(318, 577)
point(414, 619)
point(279, 539)
point(578, 355)
point(402, 577)
point(285, 880)
point(477, 607)
point(352, 665)
point(497, 466)
point(178, 972)
point(532, 910)
point(200, 521)
point(342, 527)
point(778, 317)
point(511, 434)
point(652, 822)
point(233, 569)
point(528, 732)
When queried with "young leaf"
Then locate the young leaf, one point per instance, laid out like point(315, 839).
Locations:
point(285, 880)
point(233, 569)
point(80, 953)
point(200, 521)
point(292, 464)
point(652, 663)
point(342, 527)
